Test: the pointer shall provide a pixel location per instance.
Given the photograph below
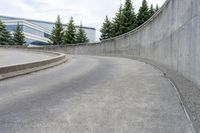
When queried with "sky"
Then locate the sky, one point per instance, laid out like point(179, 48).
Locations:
point(90, 12)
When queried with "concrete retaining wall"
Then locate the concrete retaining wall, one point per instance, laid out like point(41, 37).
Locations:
point(171, 37)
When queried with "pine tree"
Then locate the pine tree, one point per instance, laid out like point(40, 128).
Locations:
point(157, 8)
point(5, 36)
point(151, 11)
point(106, 30)
point(143, 14)
point(57, 33)
point(19, 38)
point(81, 36)
point(128, 19)
point(117, 23)
point(70, 33)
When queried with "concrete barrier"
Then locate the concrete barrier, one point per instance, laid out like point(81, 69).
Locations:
point(25, 68)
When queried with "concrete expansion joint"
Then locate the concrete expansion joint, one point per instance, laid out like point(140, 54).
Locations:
point(181, 102)
point(165, 73)
point(180, 97)
point(178, 93)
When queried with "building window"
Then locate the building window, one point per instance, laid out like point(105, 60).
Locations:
point(47, 35)
point(33, 31)
point(11, 27)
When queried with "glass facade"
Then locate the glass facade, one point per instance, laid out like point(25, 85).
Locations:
point(47, 35)
point(35, 42)
point(28, 30)
point(33, 31)
point(11, 27)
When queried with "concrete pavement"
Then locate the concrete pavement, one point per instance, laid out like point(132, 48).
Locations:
point(12, 57)
point(92, 95)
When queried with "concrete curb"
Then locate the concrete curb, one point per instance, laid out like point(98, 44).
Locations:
point(25, 68)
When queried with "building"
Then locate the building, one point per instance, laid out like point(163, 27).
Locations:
point(38, 32)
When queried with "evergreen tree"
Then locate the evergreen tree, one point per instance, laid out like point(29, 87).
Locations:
point(70, 33)
point(19, 38)
point(5, 36)
point(157, 8)
point(81, 36)
point(128, 18)
point(151, 11)
point(57, 33)
point(143, 14)
point(117, 23)
point(106, 30)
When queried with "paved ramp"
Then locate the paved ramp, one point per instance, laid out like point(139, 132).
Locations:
point(12, 57)
point(92, 95)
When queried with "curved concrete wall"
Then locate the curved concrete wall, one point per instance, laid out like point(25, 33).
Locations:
point(171, 37)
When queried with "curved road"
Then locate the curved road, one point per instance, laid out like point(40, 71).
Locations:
point(92, 95)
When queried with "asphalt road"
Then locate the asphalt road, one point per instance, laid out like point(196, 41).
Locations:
point(92, 95)
point(12, 57)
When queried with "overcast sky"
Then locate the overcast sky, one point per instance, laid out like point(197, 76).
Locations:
point(91, 12)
